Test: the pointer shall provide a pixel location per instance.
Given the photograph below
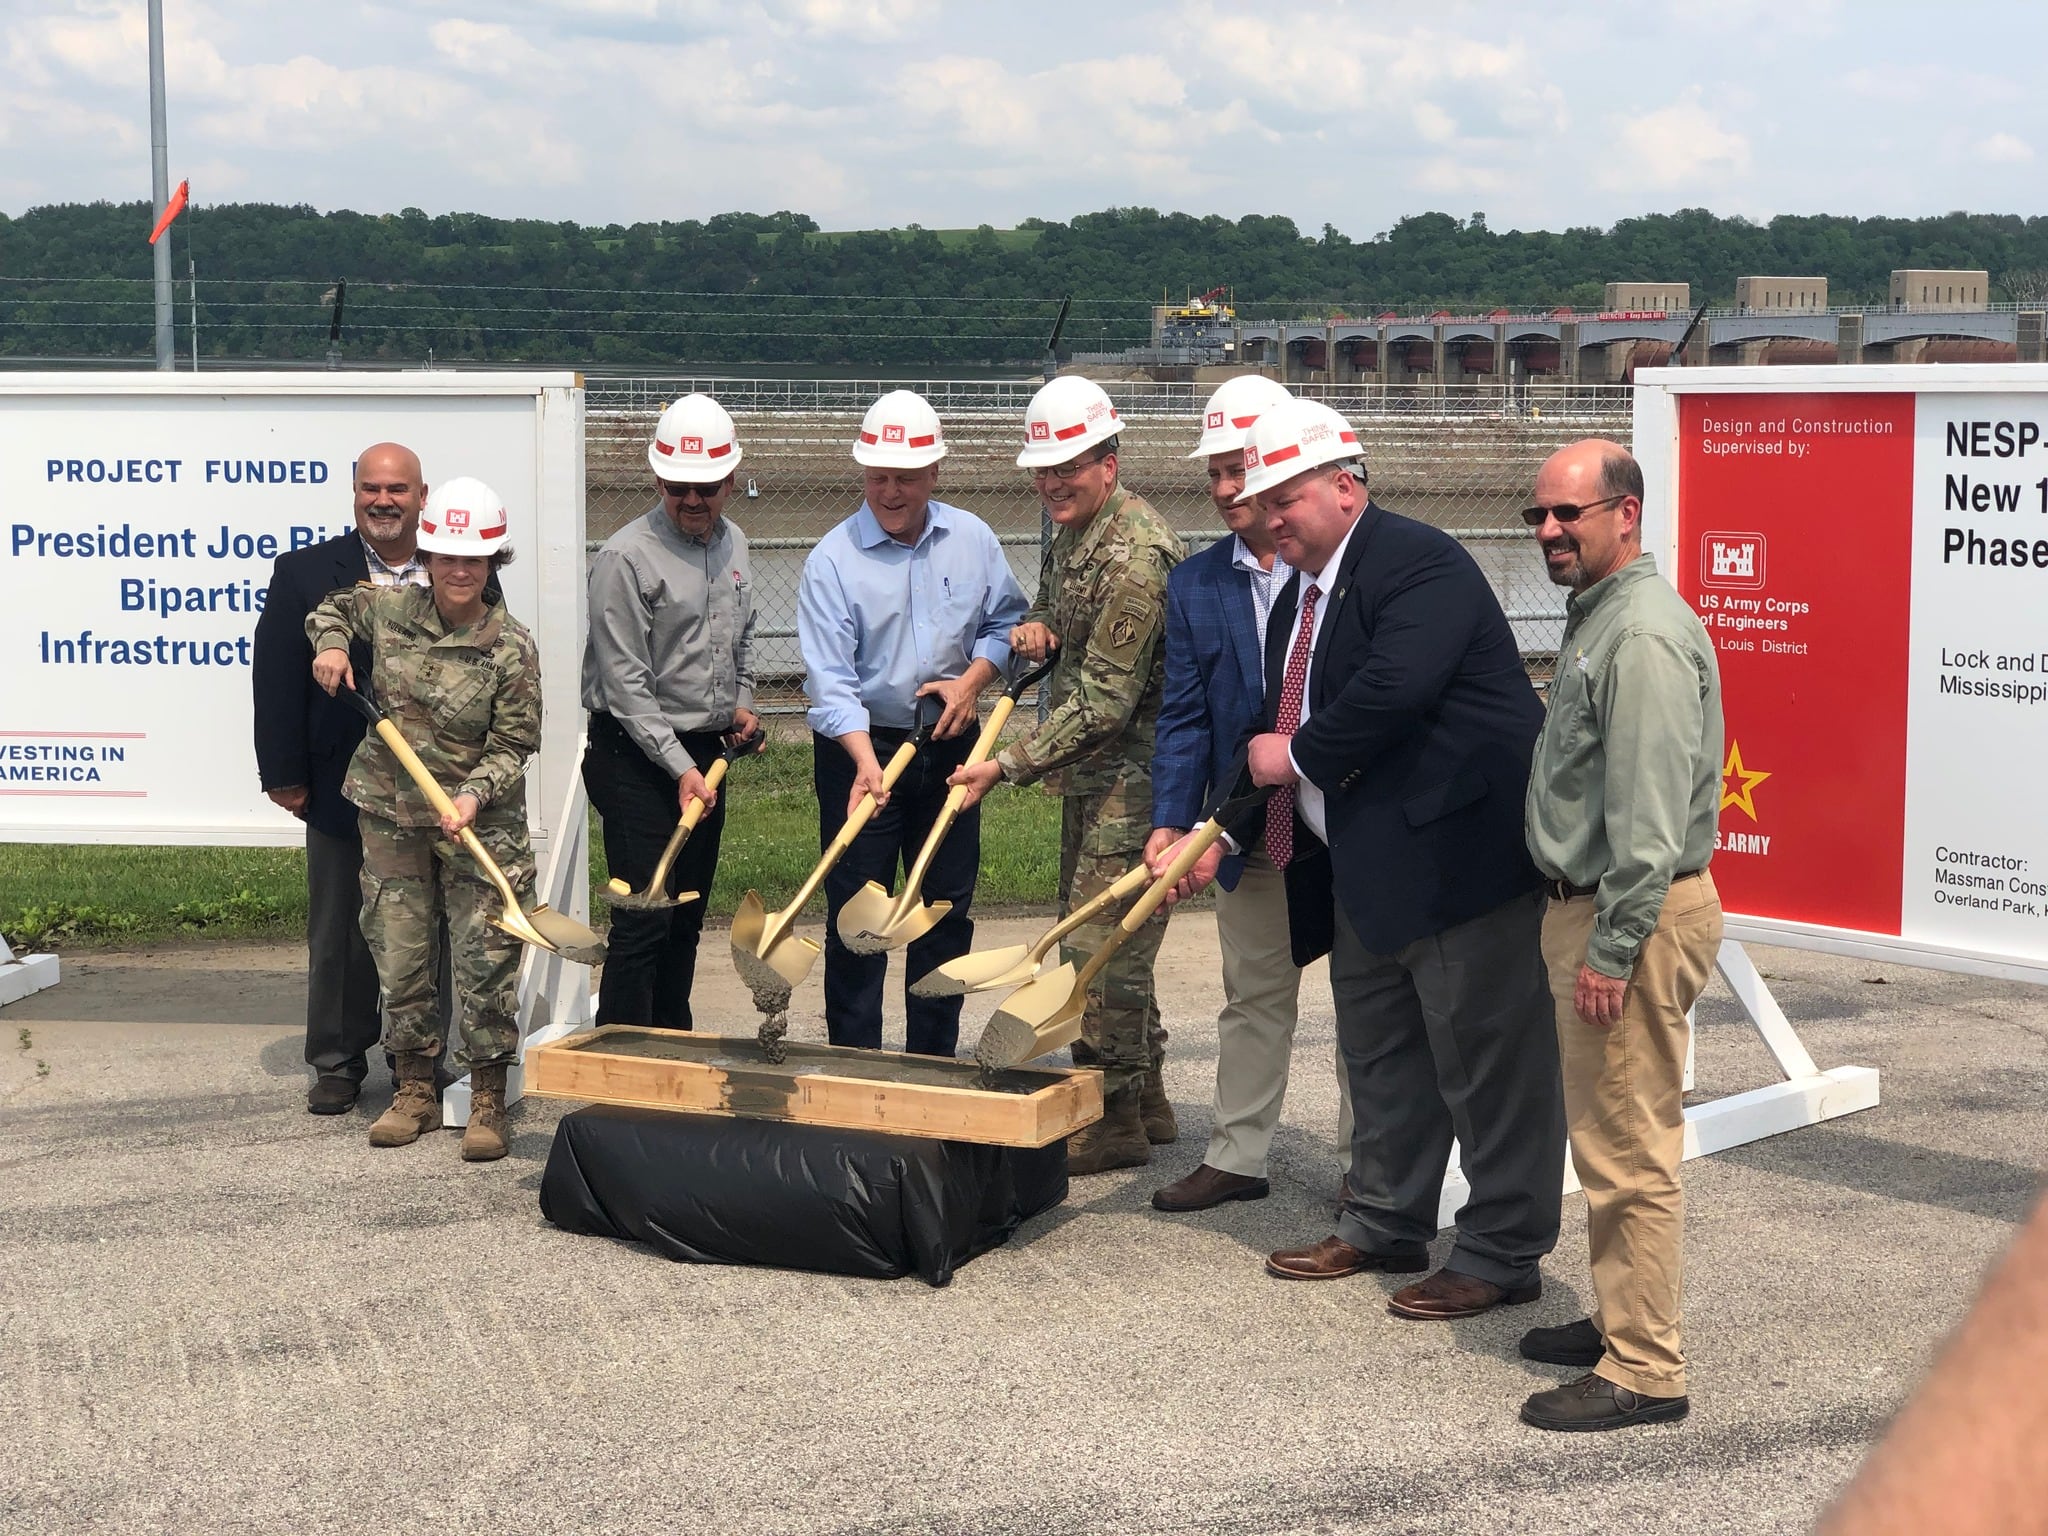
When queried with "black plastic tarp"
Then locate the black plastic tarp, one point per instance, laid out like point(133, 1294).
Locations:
point(716, 1190)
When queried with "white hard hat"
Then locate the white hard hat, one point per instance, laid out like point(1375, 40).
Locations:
point(1065, 419)
point(694, 442)
point(1291, 438)
point(463, 517)
point(900, 431)
point(1237, 403)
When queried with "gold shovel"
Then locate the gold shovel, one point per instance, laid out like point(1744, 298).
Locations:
point(770, 959)
point(656, 897)
point(1046, 1012)
point(539, 926)
point(1011, 966)
point(872, 921)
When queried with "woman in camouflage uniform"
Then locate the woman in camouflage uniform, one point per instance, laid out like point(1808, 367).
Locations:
point(460, 679)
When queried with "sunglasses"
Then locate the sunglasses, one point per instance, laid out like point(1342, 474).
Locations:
point(678, 490)
point(1567, 513)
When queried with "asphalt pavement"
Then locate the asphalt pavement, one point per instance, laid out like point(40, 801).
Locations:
point(219, 1313)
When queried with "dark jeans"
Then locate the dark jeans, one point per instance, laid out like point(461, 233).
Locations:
point(650, 958)
point(889, 843)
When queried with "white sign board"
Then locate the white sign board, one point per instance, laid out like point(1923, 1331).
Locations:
point(1868, 546)
point(139, 516)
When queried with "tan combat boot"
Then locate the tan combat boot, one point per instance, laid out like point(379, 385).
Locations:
point(486, 1137)
point(1117, 1140)
point(417, 1107)
point(1156, 1110)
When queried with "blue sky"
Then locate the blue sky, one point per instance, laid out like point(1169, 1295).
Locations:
point(867, 113)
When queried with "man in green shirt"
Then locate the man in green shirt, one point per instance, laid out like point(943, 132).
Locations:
point(1624, 795)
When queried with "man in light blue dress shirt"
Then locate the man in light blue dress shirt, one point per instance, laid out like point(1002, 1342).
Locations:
point(905, 598)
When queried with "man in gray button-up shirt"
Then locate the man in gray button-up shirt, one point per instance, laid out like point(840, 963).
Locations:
point(1623, 799)
point(668, 678)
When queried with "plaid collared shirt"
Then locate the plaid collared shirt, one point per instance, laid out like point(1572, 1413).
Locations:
point(411, 574)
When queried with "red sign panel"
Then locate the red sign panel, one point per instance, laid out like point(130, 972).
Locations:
point(1795, 519)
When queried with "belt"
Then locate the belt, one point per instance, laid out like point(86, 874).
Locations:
point(1564, 890)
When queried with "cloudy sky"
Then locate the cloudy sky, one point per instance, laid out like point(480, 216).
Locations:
point(868, 113)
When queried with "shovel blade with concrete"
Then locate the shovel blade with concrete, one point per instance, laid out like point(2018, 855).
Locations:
point(539, 925)
point(656, 897)
point(1046, 1012)
point(772, 960)
point(873, 921)
point(986, 970)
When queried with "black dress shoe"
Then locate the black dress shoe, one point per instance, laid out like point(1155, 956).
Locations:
point(1577, 1344)
point(1593, 1402)
point(1208, 1186)
point(332, 1095)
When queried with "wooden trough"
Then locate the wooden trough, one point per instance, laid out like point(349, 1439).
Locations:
point(817, 1085)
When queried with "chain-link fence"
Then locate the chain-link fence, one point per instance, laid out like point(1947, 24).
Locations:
point(1462, 460)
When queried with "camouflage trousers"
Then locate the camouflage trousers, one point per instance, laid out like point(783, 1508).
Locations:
point(1101, 837)
point(410, 876)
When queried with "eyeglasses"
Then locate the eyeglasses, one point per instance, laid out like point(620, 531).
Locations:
point(1066, 471)
point(1567, 513)
point(678, 490)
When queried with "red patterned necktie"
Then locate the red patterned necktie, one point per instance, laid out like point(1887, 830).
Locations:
point(1286, 721)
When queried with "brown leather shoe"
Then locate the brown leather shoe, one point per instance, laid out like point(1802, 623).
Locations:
point(1447, 1294)
point(1333, 1259)
point(1208, 1186)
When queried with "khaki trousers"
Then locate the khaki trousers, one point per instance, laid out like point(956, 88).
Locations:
point(1625, 1112)
point(1255, 1030)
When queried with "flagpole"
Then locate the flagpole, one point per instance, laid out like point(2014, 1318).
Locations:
point(160, 175)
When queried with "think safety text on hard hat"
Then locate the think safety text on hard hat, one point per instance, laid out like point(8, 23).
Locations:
point(1289, 439)
point(1065, 419)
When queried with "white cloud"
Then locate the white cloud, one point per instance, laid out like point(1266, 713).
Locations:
point(869, 19)
point(1679, 146)
point(486, 48)
point(2005, 149)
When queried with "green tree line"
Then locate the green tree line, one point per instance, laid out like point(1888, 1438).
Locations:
point(773, 288)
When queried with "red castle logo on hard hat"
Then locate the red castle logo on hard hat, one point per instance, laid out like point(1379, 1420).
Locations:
point(690, 445)
point(892, 434)
point(1251, 455)
point(1215, 418)
point(1040, 431)
point(455, 517)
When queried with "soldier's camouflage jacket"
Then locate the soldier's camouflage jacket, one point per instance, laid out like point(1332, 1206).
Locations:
point(466, 700)
point(1102, 591)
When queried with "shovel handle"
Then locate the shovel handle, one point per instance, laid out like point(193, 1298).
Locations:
point(859, 818)
point(1129, 882)
point(693, 813)
point(1203, 838)
point(1197, 845)
point(437, 797)
point(956, 797)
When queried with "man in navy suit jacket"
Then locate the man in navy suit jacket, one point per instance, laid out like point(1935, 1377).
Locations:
point(1400, 734)
point(1216, 607)
point(304, 741)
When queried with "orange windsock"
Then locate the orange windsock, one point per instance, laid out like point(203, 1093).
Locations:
point(172, 209)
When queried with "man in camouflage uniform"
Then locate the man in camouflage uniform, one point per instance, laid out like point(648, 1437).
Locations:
point(1101, 606)
point(466, 697)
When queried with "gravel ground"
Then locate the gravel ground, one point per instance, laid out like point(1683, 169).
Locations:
point(223, 1314)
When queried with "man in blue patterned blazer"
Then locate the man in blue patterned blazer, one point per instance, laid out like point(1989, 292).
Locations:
point(1216, 607)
